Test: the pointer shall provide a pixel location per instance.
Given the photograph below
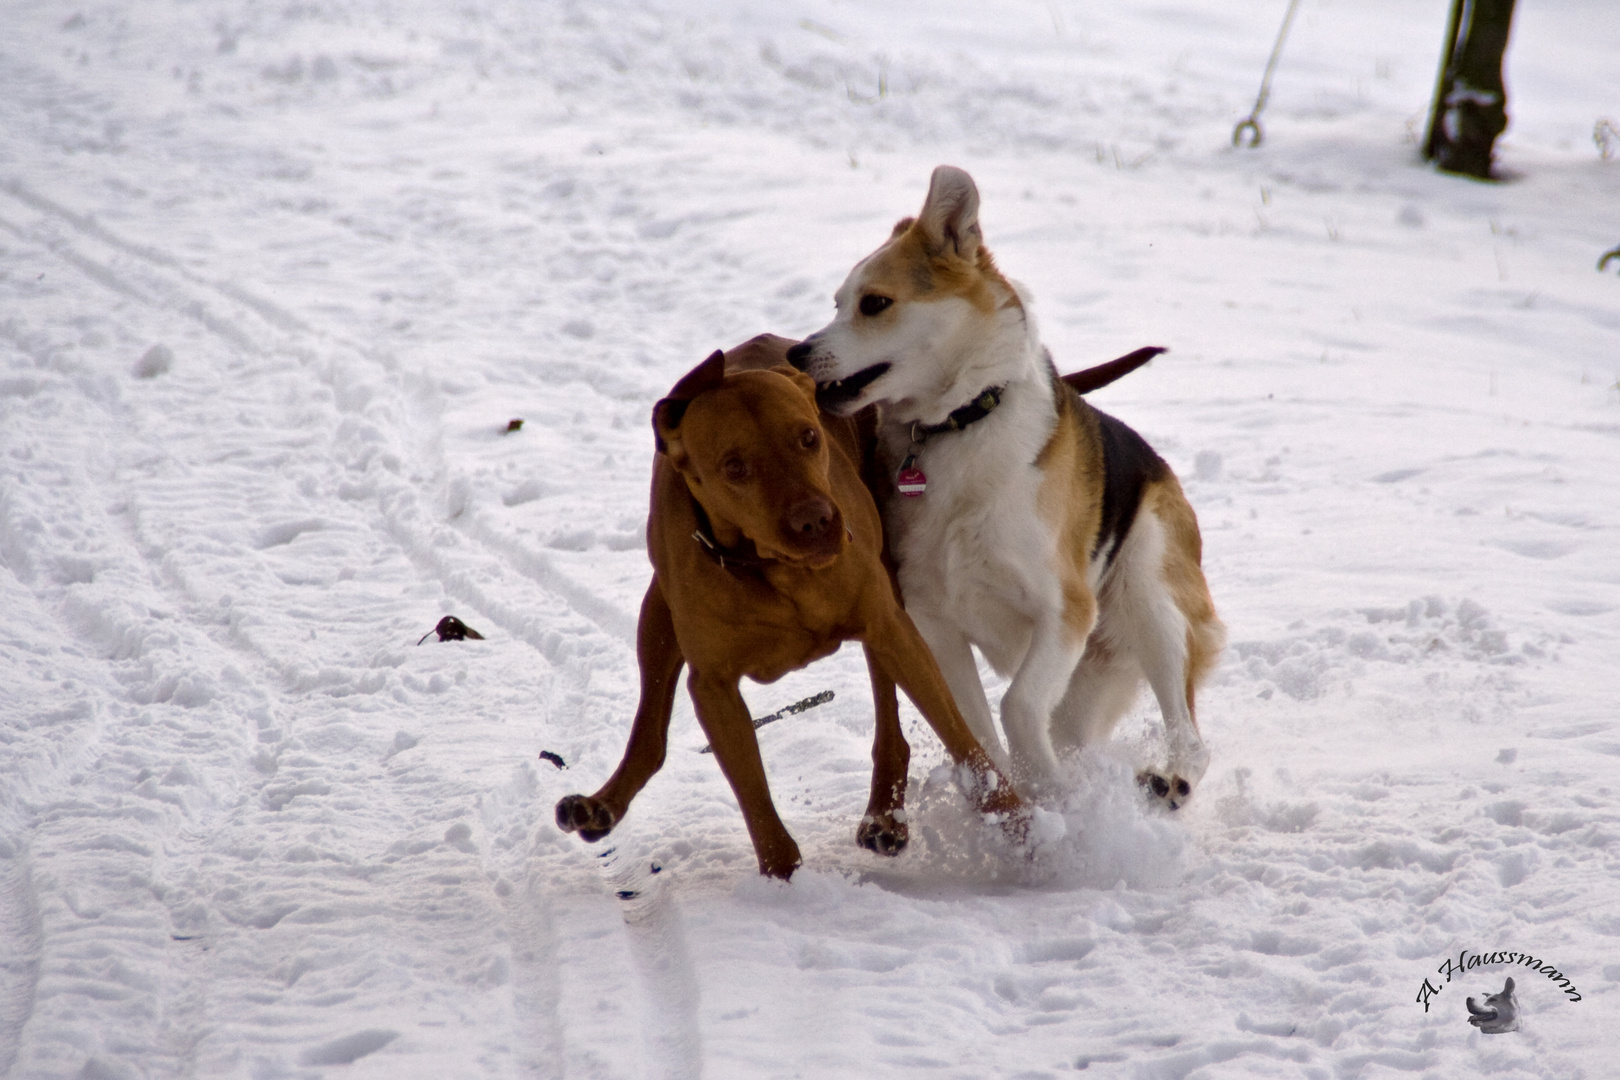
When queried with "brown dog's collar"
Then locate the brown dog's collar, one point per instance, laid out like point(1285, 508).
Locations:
point(727, 557)
point(732, 558)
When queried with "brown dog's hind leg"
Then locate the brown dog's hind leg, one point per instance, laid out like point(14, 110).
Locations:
point(883, 829)
point(724, 716)
point(659, 655)
point(902, 655)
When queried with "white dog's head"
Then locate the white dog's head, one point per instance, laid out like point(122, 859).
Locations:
point(920, 318)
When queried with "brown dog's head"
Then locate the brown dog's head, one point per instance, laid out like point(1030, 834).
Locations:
point(752, 451)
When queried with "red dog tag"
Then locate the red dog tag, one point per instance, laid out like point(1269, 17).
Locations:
point(911, 482)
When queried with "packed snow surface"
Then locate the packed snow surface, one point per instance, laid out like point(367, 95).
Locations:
point(275, 277)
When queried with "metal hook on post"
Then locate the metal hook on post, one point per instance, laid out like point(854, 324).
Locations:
point(1251, 123)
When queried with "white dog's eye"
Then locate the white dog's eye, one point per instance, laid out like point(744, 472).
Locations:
point(873, 304)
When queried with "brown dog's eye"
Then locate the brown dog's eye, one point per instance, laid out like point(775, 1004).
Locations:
point(873, 304)
point(809, 438)
point(735, 470)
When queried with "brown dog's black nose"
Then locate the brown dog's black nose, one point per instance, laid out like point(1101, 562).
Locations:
point(799, 355)
point(812, 518)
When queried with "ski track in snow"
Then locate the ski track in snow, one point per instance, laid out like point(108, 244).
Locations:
point(272, 282)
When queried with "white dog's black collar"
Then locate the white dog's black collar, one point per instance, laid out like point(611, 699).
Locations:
point(971, 413)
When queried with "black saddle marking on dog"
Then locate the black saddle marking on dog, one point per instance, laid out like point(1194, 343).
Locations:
point(1129, 465)
point(451, 628)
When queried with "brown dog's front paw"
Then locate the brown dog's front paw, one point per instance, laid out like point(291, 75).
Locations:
point(778, 858)
point(586, 816)
point(1004, 801)
point(1172, 790)
point(882, 834)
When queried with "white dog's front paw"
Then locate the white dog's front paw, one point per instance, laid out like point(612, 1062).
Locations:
point(1170, 788)
point(1174, 784)
point(1039, 778)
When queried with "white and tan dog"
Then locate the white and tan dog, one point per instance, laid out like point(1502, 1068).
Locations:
point(1048, 534)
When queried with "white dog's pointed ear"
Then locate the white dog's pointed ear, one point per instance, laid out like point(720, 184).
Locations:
point(950, 215)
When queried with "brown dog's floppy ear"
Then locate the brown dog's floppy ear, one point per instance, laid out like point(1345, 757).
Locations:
point(758, 353)
point(668, 412)
point(806, 385)
point(950, 215)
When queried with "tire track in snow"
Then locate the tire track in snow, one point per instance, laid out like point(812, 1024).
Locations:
point(120, 628)
point(99, 947)
point(672, 1040)
point(409, 523)
point(416, 536)
point(457, 580)
point(653, 929)
point(88, 227)
point(400, 507)
point(46, 738)
point(342, 1048)
point(542, 571)
point(21, 942)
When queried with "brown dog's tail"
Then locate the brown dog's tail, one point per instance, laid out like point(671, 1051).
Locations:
point(1095, 378)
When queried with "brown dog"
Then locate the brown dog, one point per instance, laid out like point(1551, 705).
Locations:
point(767, 554)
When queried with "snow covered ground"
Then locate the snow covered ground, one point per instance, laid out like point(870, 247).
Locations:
point(273, 279)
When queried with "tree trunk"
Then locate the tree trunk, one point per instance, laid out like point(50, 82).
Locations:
point(1470, 100)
